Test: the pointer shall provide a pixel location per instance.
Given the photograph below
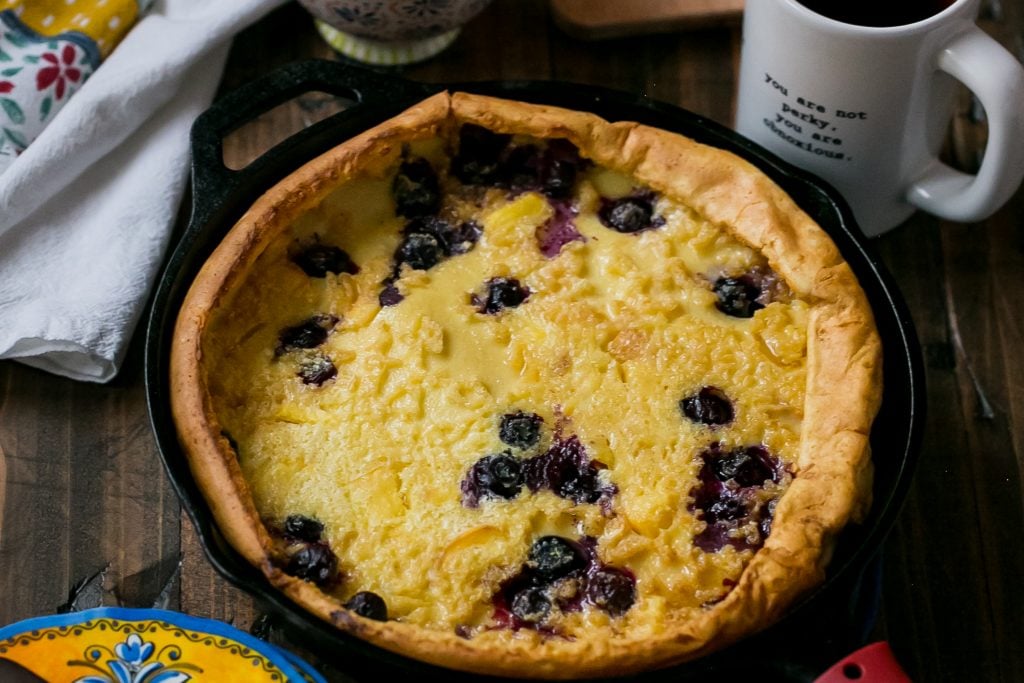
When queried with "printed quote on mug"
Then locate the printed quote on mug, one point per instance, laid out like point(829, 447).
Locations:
point(809, 125)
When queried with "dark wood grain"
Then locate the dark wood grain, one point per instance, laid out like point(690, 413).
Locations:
point(81, 487)
point(83, 490)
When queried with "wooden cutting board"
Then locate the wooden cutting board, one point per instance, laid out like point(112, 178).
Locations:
point(597, 19)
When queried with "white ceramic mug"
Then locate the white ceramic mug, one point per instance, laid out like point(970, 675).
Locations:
point(867, 108)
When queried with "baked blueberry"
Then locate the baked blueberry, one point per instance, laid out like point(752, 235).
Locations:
point(551, 170)
point(306, 335)
point(553, 557)
point(314, 562)
point(520, 169)
point(480, 150)
point(520, 430)
point(709, 406)
point(559, 168)
point(463, 238)
point(369, 605)
point(580, 485)
point(530, 605)
point(390, 296)
point(302, 528)
point(717, 536)
point(747, 466)
point(728, 508)
point(317, 259)
point(628, 214)
point(730, 496)
point(564, 575)
point(452, 240)
point(317, 369)
point(737, 296)
point(494, 476)
point(567, 471)
point(416, 189)
point(611, 589)
point(502, 293)
point(767, 516)
point(420, 251)
point(559, 230)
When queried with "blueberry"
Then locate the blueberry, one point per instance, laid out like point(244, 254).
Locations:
point(554, 557)
point(317, 370)
point(494, 476)
point(746, 466)
point(721, 501)
point(628, 214)
point(612, 590)
point(302, 528)
point(390, 296)
point(580, 486)
point(520, 169)
point(315, 562)
point(451, 240)
point(416, 189)
point(421, 251)
point(727, 508)
point(369, 605)
point(317, 259)
point(530, 605)
point(737, 296)
point(477, 161)
point(463, 238)
point(305, 335)
point(561, 164)
point(566, 470)
point(552, 170)
point(709, 406)
point(715, 537)
point(559, 179)
point(559, 230)
point(520, 430)
point(502, 293)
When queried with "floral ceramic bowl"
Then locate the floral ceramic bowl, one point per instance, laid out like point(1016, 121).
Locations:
point(391, 31)
point(116, 645)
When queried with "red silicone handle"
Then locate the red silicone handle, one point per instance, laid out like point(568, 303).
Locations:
point(873, 663)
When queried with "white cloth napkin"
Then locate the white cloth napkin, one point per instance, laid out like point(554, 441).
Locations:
point(86, 210)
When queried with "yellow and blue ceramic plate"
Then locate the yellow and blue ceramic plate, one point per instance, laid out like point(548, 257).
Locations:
point(117, 645)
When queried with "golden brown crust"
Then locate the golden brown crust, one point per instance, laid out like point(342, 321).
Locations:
point(842, 393)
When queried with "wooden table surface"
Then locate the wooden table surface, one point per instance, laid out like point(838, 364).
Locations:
point(82, 488)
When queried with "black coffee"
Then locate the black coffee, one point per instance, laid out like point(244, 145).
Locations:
point(877, 12)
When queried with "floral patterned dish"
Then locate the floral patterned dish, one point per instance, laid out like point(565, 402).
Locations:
point(119, 645)
point(391, 32)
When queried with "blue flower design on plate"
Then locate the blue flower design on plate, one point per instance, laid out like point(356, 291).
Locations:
point(129, 663)
point(129, 657)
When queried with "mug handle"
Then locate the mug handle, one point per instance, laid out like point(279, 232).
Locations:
point(997, 79)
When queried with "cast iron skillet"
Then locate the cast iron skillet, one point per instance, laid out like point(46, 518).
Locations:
point(821, 628)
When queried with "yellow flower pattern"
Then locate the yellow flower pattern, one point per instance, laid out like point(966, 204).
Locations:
point(104, 21)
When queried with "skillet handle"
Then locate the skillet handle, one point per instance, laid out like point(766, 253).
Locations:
point(874, 663)
point(212, 181)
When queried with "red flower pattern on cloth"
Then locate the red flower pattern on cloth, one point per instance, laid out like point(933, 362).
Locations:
point(6, 87)
point(59, 70)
